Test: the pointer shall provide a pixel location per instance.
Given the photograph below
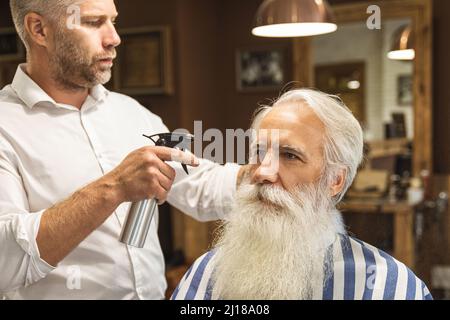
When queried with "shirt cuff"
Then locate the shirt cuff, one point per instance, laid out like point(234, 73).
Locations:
point(26, 235)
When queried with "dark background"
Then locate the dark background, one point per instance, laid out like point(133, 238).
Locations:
point(206, 35)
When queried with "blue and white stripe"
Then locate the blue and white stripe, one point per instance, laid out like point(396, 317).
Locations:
point(359, 272)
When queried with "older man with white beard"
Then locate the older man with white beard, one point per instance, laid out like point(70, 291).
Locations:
point(285, 239)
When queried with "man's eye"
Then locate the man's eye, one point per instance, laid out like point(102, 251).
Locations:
point(291, 156)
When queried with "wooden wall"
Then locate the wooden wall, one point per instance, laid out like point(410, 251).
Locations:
point(441, 78)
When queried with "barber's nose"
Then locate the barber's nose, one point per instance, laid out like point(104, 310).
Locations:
point(267, 171)
point(112, 38)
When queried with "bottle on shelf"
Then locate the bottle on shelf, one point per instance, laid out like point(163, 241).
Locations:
point(415, 193)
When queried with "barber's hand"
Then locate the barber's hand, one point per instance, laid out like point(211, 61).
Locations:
point(143, 174)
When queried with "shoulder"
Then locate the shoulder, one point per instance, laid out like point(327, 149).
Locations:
point(13, 110)
point(196, 283)
point(124, 98)
point(384, 276)
point(129, 105)
point(9, 98)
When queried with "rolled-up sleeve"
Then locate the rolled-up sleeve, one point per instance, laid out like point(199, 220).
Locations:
point(207, 193)
point(20, 261)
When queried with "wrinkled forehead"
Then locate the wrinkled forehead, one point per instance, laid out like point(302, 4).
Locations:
point(293, 124)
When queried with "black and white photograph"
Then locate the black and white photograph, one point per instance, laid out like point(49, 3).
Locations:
point(260, 69)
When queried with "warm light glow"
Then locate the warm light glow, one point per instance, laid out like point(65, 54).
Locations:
point(408, 54)
point(294, 29)
point(354, 85)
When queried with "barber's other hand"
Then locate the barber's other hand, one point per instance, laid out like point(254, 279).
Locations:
point(143, 174)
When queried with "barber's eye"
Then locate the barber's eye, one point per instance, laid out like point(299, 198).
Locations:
point(94, 23)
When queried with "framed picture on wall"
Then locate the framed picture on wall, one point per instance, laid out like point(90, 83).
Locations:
point(260, 69)
point(144, 62)
point(404, 90)
point(11, 47)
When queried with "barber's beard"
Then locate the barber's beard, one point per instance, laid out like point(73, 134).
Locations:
point(274, 243)
point(73, 67)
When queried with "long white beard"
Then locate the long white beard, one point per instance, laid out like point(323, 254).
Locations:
point(273, 244)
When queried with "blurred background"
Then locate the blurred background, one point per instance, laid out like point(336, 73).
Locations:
point(188, 60)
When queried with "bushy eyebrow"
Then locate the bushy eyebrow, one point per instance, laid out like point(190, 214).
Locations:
point(288, 148)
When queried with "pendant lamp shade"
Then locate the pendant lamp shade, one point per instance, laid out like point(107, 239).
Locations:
point(293, 18)
point(403, 44)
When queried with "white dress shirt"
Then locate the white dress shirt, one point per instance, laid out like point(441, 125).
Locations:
point(47, 152)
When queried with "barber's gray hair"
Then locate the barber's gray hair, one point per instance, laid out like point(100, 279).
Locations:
point(343, 136)
point(51, 9)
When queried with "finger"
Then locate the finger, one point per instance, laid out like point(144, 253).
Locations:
point(164, 182)
point(167, 170)
point(169, 154)
point(160, 195)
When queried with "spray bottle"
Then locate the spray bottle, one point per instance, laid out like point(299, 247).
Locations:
point(140, 216)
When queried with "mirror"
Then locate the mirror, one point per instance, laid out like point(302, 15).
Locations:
point(353, 63)
point(392, 99)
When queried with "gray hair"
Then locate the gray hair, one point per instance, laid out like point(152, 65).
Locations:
point(51, 9)
point(344, 140)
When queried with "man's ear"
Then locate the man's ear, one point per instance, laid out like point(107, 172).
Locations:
point(338, 182)
point(36, 29)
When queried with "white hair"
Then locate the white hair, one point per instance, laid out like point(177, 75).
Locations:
point(275, 249)
point(344, 141)
point(51, 9)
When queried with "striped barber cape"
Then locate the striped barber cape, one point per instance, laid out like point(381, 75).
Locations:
point(359, 272)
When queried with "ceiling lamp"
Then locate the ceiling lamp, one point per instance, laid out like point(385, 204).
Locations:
point(403, 44)
point(293, 18)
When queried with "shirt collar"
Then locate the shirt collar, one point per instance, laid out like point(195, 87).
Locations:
point(31, 94)
point(99, 93)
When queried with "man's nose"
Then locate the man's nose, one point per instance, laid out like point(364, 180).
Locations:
point(111, 38)
point(267, 171)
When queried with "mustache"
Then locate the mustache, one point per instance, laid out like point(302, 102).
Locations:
point(270, 195)
point(281, 199)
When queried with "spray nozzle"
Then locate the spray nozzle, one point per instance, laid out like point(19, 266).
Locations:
point(175, 140)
